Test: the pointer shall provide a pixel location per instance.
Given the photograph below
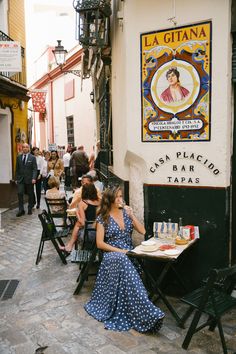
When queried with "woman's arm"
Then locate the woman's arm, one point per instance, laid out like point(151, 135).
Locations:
point(61, 167)
point(49, 165)
point(138, 226)
point(76, 199)
point(103, 245)
point(81, 212)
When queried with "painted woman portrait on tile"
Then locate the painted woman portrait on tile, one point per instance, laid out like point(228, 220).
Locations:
point(176, 84)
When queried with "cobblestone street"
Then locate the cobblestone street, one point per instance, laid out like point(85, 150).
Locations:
point(44, 313)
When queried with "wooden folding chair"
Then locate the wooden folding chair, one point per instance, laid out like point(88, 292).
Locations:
point(213, 299)
point(57, 209)
point(88, 255)
point(49, 233)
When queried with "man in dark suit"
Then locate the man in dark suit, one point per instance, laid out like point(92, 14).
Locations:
point(26, 174)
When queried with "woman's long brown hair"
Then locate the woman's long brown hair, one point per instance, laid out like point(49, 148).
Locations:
point(108, 198)
point(89, 191)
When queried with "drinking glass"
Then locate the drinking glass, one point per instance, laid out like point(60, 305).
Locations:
point(122, 204)
point(155, 230)
point(169, 229)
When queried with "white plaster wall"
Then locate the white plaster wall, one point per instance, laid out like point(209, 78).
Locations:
point(5, 151)
point(152, 15)
point(45, 24)
point(3, 16)
point(80, 107)
point(37, 139)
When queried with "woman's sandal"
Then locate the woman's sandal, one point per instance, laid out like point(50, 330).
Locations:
point(66, 251)
point(66, 254)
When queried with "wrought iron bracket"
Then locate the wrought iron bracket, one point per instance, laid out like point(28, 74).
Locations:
point(74, 72)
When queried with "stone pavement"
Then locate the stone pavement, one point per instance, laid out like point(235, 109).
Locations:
point(44, 312)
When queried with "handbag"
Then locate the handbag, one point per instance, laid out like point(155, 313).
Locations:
point(50, 174)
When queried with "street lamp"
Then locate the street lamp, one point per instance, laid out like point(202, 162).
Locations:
point(93, 22)
point(91, 96)
point(60, 58)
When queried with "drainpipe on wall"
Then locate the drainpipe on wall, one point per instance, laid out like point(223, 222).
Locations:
point(52, 118)
point(34, 141)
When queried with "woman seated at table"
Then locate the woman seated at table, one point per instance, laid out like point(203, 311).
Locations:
point(54, 193)
point(119, 298)
point(86, 211)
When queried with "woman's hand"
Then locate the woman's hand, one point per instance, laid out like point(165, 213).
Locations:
point(137, 224)
point(129, 211)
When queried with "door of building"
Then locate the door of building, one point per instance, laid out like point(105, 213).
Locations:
point(5, 151)
point(233, 177)
point(233, 209)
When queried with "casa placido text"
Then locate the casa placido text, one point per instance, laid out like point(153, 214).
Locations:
point(187, 166)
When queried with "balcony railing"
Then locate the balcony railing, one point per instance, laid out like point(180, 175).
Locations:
point(19, 77)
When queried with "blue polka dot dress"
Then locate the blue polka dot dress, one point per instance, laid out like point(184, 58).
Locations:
point(119, 298)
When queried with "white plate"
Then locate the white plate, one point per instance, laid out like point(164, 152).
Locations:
point(147, 249)
point(148, 243)
point(172, 252)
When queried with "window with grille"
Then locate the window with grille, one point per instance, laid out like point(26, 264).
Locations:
point(70, 130)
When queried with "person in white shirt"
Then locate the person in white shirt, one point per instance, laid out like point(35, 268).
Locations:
point(45, 177)
point(38, 184)
point(66, 161)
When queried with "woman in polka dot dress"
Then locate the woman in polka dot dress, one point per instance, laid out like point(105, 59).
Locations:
point(119, 298)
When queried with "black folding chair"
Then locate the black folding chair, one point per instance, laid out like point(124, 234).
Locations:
point(213, 299)
point(87, 256)
point(57, 209)
point(49, 233)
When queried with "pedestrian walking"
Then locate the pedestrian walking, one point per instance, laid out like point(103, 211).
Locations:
point(79, 163)
point(55, 165)
point(38, 184)
point(66, 162)
point(97, 161)
point(92, 159)
point(45, 177)
point(26, 174)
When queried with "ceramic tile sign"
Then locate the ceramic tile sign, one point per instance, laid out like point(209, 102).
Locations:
point(176, 84)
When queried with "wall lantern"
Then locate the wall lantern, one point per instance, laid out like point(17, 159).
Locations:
point(93, 22)
point(60, 58)
point(91, 96)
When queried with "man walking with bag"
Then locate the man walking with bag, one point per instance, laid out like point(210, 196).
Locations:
point(26, 174)
point(80, 165)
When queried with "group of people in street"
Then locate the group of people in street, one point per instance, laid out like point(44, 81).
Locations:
point(34, 168)
point(119, 298)
point(79, 163)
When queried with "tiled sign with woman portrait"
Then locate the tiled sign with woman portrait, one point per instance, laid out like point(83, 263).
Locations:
point(176, 84)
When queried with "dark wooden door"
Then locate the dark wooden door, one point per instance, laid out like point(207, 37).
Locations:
point(233, 186)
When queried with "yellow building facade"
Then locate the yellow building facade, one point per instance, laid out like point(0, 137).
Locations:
point(13, 101)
